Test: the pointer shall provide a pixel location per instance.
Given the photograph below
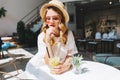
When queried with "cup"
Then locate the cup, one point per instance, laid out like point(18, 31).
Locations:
point(54, 61)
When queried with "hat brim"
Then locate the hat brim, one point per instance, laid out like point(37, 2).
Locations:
point(45, 7)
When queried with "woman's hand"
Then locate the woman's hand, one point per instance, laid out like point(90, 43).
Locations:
point(49, 32)
point(61, 68)
point(49, 36)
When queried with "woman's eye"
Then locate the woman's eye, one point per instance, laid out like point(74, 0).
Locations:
point(47, 18)
point(55, 18)
point(52, 18)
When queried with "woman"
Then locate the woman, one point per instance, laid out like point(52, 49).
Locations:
point(55, 40)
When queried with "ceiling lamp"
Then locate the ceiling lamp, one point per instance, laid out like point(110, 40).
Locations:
point(110, 2)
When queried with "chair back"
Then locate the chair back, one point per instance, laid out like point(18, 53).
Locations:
point(0, 43)
point(118, 45)
point(0, 47)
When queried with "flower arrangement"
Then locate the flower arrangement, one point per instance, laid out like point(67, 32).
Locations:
point(77, 61)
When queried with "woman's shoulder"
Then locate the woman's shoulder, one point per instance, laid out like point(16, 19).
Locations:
point(70, 32)
point(41, 34)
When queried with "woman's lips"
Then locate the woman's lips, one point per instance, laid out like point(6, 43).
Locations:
point(52, 26)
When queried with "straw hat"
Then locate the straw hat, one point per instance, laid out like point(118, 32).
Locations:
point(57, 4)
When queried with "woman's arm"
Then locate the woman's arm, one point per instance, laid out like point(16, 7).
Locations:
point(46, 58)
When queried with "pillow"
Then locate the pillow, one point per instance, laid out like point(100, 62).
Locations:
point(6, 45)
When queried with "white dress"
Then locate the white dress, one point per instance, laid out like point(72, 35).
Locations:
point(60, 50)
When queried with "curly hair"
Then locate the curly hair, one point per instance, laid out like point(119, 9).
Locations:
point(62, 27)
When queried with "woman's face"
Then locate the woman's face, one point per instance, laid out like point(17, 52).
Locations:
point(52, 19)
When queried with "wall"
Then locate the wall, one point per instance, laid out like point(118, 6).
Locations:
point(16, 9)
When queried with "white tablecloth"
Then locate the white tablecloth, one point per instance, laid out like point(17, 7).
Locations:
point(90, 71)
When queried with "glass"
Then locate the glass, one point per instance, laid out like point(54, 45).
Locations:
point(76, 61)
point(77, 70)
point(53, 62)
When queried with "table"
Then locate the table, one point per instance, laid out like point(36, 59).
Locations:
point(90, 71)
point(4, 39)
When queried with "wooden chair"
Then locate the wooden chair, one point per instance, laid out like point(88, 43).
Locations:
point(9, 62)
point(1, 54)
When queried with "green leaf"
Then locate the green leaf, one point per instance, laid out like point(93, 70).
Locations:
point(2, 12)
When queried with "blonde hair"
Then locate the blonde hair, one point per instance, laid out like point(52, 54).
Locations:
point(62, 27)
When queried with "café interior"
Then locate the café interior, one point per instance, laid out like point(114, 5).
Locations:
point(97, 33)
point(98, 26)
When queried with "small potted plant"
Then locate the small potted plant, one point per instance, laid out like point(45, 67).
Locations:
point(21, 31)
point(77, 61)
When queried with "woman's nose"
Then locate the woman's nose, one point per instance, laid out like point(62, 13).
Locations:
point(51, 20)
